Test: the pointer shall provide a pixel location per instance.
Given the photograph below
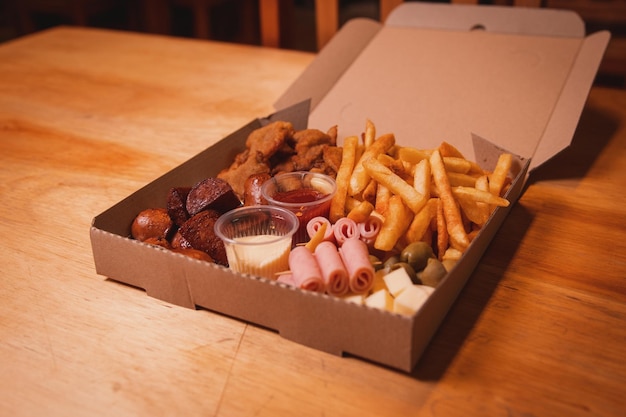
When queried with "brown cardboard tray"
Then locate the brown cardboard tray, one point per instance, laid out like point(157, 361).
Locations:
point(546, 106)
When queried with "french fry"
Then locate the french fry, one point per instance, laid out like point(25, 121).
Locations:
point(370, 133)
point(369, 193)
point(412, 155)
point(421, 221)
point(317, 238)
point(500, 173)
point(382, 199)
point(472, 210)
point(351, 203)
point(348, 157)
point(476, 169)
point(360, 178)
point(361, 212)
point(456, 164)
point(457, 179)
point(422, 178)
point(482, 183)
point(383, 175)
point(478, 195)
point(395, 165)
point(395, 224)
point(445, 149)
point(443, 237)
point(454, 222)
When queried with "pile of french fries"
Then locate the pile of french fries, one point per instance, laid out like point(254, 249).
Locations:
point(431, 195)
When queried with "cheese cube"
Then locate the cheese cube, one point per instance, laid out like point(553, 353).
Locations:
point(354, 298)
point(411, 299)
point(380, 299)
point(397, 280)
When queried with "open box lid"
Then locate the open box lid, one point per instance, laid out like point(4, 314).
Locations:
point(516, 76)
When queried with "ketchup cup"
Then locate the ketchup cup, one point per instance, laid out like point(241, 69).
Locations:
point(305, 194)
point(257, 239)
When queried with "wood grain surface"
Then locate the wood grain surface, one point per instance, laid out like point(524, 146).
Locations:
point(89, 116)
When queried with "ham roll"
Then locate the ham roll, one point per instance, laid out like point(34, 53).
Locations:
point(344, 229)
point(305, 271)
point(333, 270)
point(315, 224)
point(369, 229)
point(355, 256)
point(286, 279)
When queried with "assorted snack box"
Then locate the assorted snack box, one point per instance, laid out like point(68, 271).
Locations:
point(413, 200)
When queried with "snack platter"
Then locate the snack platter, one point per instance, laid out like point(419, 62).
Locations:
point(314, 319)
point(317, 320)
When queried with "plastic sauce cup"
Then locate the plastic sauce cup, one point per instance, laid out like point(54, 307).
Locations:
point(305, 194)
point(258, 239)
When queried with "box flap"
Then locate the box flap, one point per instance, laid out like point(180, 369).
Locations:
point(495, 19)
point(560, 130)
point(428, 84)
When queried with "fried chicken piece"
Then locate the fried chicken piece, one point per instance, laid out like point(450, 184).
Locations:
point(261, 145)
point(270, 138)
point(307, 138)
point(332, 160)
point(237, 177)
point(309, 146)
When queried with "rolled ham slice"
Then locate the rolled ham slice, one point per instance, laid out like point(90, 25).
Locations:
point(355, 256)
point(344, 229)
point(316, 223)
point(369, 229)
point(286, 279)
point(305, 271)
point(333, 270)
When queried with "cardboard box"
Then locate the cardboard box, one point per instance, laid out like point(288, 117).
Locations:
point(520, 82)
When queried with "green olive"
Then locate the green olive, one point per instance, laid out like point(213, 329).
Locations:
point(417, 254)
point(394, 259)
point(433, 273)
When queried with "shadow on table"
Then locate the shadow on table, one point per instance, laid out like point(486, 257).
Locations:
point(594, 131)
point(462, 317)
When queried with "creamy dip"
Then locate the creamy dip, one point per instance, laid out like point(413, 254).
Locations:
point(261, 255)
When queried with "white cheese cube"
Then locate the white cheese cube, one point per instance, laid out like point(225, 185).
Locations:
point(397, 280)
point(411, 299)
point(380, 299)
point(354, 298)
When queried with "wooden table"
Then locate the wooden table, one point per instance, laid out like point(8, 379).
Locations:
point(89, 116)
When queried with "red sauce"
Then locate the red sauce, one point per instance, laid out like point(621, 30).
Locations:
point(303, 195)
point(304, 213)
